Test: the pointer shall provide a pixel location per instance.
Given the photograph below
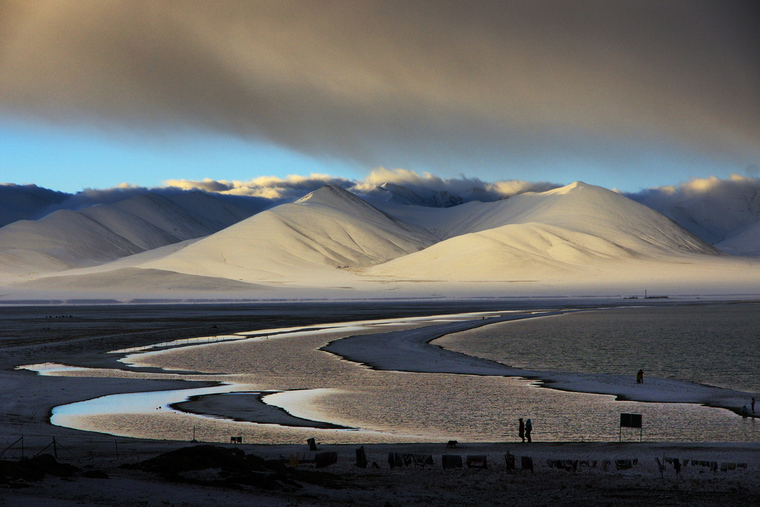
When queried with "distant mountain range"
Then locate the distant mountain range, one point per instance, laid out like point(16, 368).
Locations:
point(574, 239)
point(104, 232)
point(727, 215)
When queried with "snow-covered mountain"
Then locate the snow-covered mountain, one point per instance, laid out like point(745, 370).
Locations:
point(391, 192)
point(570, 240)
point(725, 213)
point(319, 237)
point(744, 241)
point(565, 230)
point(26, 202)
point(66, 239)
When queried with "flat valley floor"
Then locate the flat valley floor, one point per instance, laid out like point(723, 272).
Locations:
point(593, 473)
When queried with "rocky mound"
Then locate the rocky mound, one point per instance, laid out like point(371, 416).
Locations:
point(34, 469)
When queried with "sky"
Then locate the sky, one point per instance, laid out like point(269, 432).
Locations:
point(627, 95)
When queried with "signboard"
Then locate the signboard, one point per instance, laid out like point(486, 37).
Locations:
point(630, 420)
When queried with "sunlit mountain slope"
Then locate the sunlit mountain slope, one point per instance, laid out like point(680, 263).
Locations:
point(315, 239)
point(570, 240)
point(567, 231)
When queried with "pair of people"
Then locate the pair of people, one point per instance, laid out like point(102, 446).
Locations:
point(745, 412)
point(524, 429)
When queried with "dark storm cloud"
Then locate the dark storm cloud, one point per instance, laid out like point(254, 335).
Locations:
point(390, 82)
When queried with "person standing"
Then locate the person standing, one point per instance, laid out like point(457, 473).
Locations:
point(528, 429)
point(521, 429)
point(753, 404)
point(640, 377)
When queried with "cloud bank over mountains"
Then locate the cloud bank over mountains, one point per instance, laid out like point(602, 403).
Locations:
point(421, 238)
point(32, 202)
point(725, 213)
point(426, 184)
point(717, 210)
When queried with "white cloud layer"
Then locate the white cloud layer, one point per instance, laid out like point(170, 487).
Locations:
point(673, 195)
point(294, 187)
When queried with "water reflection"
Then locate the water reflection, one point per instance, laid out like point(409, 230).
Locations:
point(384, 406)
point(713, 344)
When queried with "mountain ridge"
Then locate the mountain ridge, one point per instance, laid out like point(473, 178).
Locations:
point(332, 240)
point(328, 231)
point(720, 212)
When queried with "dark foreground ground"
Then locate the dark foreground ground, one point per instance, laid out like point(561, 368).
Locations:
point(125, 473)
point(94, 464)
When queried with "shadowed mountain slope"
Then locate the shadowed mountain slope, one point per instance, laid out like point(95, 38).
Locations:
point(67, 239)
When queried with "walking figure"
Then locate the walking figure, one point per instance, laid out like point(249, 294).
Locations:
point(521, 430)
point(640, 377)
point(528, 429)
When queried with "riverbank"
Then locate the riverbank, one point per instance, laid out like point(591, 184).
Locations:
point(78, 336)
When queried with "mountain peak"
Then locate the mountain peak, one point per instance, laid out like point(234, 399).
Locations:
point(576, 185)
point(433, 199)
point(326, 195)
point(334, 196)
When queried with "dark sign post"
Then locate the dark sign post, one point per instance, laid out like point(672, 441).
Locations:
point(630, 421)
